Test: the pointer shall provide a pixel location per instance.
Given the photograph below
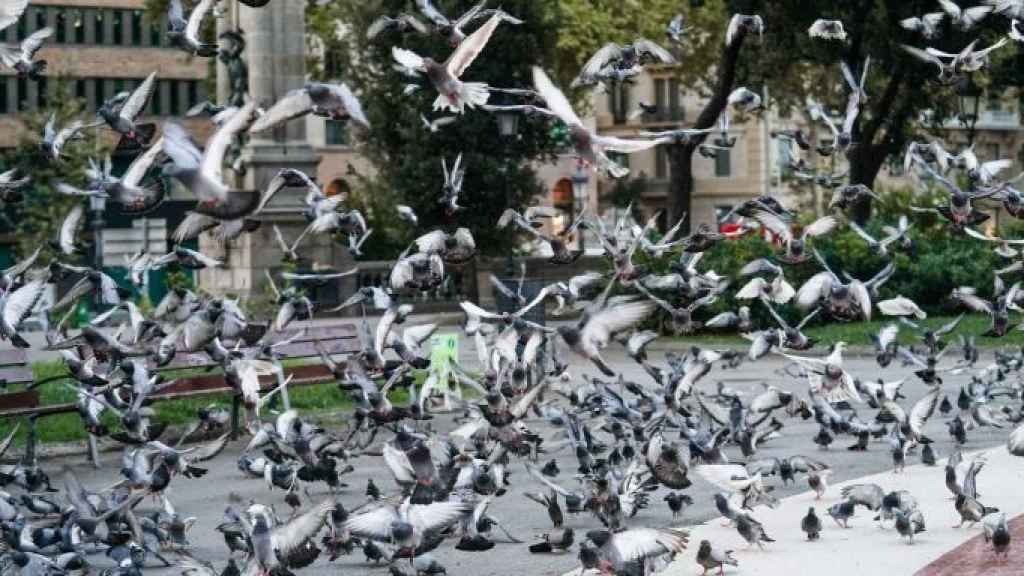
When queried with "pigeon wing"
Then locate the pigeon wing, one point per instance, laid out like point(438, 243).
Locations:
point(471, 47)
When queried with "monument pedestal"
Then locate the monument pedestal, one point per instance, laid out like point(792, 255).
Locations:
point(275, 51)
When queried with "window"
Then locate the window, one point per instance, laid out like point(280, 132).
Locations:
point(42, 92)
point(157, 100)
point(137, 28)
point(118, 27)
point(661, 163)
point(62, 27)
point(336, 133)
point(155, 29)
point(40, 18)
point(4, 83)
point(660, 93)
point(174, 106)
point(80, 92)
point(101, 34)
point(193, 93)
point(618, 103)
point(21, 93)
point(784, 150)
point(22, 29)
point(79, 24)
point(675, 109)
point(723, 163)
point(619, 158)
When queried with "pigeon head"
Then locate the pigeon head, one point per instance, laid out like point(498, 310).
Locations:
point(599, 537)
point(401, 531)
point(570, 334)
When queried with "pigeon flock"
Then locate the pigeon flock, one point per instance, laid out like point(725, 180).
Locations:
point(631, 441)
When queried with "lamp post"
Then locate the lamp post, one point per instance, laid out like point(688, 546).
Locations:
point(508, 129)
point(97, 204)
point(969, 95)
point(580, 182)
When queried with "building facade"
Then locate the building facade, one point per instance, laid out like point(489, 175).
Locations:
point(98, 49)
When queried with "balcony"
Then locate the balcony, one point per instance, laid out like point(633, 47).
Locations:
point(999, 120)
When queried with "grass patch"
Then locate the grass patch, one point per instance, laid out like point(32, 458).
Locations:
point(309, 399)
point(858, 333)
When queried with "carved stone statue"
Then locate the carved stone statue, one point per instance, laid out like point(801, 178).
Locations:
point(231, 49)
point(230, 54)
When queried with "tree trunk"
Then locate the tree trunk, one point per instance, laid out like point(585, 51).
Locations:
point(680, 193)
point(865, 163)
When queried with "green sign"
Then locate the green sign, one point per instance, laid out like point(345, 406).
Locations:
point(445, 351)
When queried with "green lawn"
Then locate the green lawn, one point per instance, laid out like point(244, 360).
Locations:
point(857, 334)
point(319, 398)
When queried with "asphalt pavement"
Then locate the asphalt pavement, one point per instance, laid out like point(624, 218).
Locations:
point(207, 497)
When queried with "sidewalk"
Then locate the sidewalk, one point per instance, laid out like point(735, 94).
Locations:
point(865, 548)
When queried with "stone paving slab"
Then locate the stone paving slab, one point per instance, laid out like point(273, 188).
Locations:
point(867, 548)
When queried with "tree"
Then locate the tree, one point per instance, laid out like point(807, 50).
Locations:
point(901, 90)
point(37, 219)
point(407, 157)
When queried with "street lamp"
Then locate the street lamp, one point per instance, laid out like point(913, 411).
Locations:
point(97, 204)
point(969, 95)
point(508, 124)
point(508, 129)
point(580, 182)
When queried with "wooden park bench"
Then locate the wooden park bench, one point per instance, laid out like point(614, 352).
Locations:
point(338, 339)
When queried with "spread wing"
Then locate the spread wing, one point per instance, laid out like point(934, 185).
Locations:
point(21, 302)
point(69, 228)
point(136, 103)
point(375, 524)
point(408, 59)
point(293, 105)
point(471, 47)
point(436, 516)
point(179, 147)
point(140, 166)
point(607, 53)
point(615, 319)
point(923, 409)
point(33, 43)
point(11, 11)
point(554, 98)
point(353, 107)
point(288, 537)
point(195, 18)
point(209, 450)
point(213, 157)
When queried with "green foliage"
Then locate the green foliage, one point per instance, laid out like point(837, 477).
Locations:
point(36, 220)
point(943, 261)
point(407, 157)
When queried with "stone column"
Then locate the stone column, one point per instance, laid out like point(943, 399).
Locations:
point(276, 55)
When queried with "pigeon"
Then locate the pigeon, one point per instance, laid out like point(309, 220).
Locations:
point(811, 525)
point(121, 112)
point(827, 30)
point(452, 30)
point(402, 24)
point(676, 29)
point(997, 532)
point(710, 558)
point(909, 523)
point(184, 33)
point(621, 57)
point(453, 94)
point(334, 101)
point(21, 58)
point(743, 24)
